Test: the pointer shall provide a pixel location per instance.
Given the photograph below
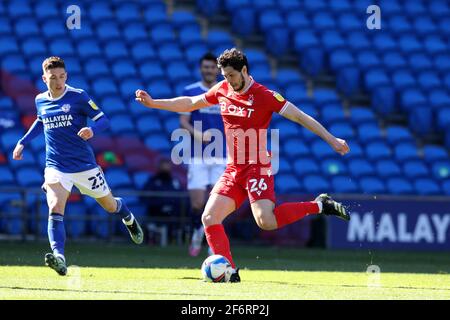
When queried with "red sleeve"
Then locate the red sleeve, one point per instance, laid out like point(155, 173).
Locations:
point(274, 101)
point(211, 95)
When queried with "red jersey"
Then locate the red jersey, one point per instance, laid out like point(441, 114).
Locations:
point(246, 117)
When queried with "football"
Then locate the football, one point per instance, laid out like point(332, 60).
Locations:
point(216, 268)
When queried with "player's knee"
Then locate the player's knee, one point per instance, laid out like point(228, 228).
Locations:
point(56, 206)
point(266, 225)
point(208, 219)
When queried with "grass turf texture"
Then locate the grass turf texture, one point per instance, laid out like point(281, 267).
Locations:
point(118, 271)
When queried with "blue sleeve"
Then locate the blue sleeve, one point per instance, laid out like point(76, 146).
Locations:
point(89, 107)
point(100, 124)
point(36, 128)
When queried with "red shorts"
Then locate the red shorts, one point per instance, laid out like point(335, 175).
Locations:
point(254, 181)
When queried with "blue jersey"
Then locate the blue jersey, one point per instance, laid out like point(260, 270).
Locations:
point(63, 118)
point(209, 117)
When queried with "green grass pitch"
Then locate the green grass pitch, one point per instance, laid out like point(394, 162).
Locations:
point(120, 271)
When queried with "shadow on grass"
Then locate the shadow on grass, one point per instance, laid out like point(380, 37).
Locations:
point(253, 258)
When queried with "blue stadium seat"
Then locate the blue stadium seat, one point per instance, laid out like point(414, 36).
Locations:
point(349, 21)
point(127, 12)
point(17, 8)
point(333, 40)
point(415, 169)
point(297, 93)
point(378, 150)
point(116, 50)
point(420, 62)
point(358, 41)
point(360, 115)
point(135, 32)
point(421, 119)
point(356, 151)
point(233, 5)
point(28, 160)
point(55, 28)
point(171, 124)
point(369, 132)
point(14, 64)
point(285, 77)
point(344, 184)
point(396, 134)
point(194, 52)
point(429, 80)
point(424, 25)
point(394, 61)
point(129, 86)
point(341, 58)
point(415, 9)
point(384, 42)
point(304, 166)
point(332, 113)
point(264, 4)
point(342, 130)
point(441, 169)
point(149, 123)
point(425, 186)
point(295, 148)
point(118, 178)
point(159, 142)
point(388, 168)
point(62, 48)
point(140, 179)
point(152, 70)
point(216, 38)
point(405, 151)
point(244, 21)
point(333, 167)
point(104, 86)
point(438, 8)
point(432, 153)
point(347, 80)
point(324, 96)
point(101, 11)
point(311, 55)
point(9, 139)
point(162, 34)
point(410, 43)
point(96, 67)
point(121, 124)
point(89, 48)
point(321, 150)
point(368, 60)
point(108, 31)
point(178, 71)
point(442, 63)
point(287, 183)
point(439, 98)
point(75, 81)
point(324, 21)
point(86, 32)
point(73, 65)
point(182, 18)
point(26, 27)
point(287, 129)
point(372, 185)
point(123, 69)
point(284, 165)
point(155, 15)
point(160, 89)
point(435, 45)
point(270, 19)
point(170, 53)
point(45, 10)
point(376, 78)
point(190, 35)
point(289, 5)
point(399, 186)
point(112, 105)
point(6, 177)
point(297, 19)
point(29, 177)
point(360, 167)
point(75, 221)
point(143, 51)
point(316, 184)
point(399, 24)
point(209, 7)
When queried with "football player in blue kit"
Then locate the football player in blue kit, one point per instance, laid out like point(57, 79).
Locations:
point(62, 114)
point(203, 170)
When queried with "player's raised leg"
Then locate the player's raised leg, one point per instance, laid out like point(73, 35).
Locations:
point(57, 197)
point(118, 207)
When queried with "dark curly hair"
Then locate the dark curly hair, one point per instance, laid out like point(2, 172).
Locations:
point(233, 58)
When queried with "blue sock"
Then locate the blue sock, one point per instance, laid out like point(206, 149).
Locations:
point(122, 210)
point(57, 234)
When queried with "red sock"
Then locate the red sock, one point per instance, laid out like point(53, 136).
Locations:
point(290, 212)
point(218, 241)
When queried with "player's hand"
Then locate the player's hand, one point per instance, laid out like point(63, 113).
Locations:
point(18, 152)
point(144, 98)
point(340, 146)
point(86, 133)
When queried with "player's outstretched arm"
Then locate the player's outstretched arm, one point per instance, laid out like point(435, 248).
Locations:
point(36, 128)
point(295, 114)
point(179, 104)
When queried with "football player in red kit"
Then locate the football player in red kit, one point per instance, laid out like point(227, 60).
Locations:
point(246, 109)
